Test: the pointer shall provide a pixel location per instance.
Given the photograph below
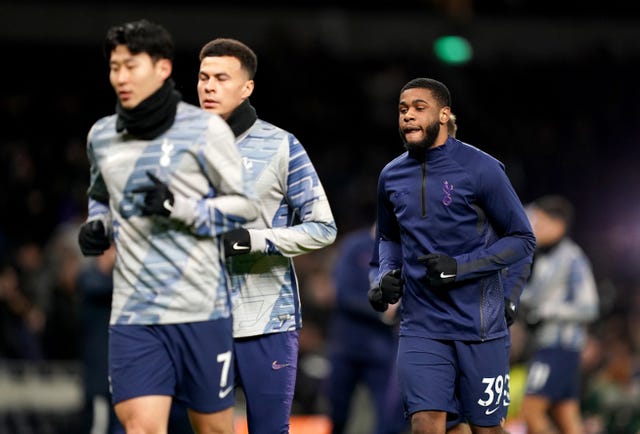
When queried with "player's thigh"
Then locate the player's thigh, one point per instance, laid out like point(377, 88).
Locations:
point(139, 363)
point(535, 404)
point(506, 401)
point(554, 373)
point(220, 422)
point(567, 415)
point(427, 372)
point(482, 387)
point(534, 410)
point(203, 356)
point(144, 414)
point(266, 365)
point(266, 369)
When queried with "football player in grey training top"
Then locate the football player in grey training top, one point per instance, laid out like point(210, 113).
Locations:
point(295, 218)
point(150, 164)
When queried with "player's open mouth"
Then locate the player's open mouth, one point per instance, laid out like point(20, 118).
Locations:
point(411, 131)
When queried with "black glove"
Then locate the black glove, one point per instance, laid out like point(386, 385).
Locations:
point(441, 269)
point(237, 242)
point(509, 311)
point(158, 199)
point(92, 238)
point(391, 286)
point(375, 299)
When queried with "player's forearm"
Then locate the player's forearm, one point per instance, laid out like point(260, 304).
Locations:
point(214, 216)
point(295, 240)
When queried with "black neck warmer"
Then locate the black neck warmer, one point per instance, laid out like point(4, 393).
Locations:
point(242, 118)
point(151, 117)
point(416, 152)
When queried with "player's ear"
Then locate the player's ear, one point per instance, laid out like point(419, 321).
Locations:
point(164, 67)
point(445, 112)
point(247, 89)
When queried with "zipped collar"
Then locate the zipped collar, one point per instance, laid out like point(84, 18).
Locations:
point(422, 155)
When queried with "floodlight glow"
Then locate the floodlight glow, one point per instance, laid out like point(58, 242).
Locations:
point(453, 50)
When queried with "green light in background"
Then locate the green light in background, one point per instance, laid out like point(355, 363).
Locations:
point(453, 50)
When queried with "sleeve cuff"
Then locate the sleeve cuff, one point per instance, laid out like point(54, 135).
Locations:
point(184, 210)
point(258, 241)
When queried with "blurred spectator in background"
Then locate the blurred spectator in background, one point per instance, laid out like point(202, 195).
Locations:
point(317, 295)
point(561, 298)
point(20, 320)
point(611, 401)
point(61, 340)
point(362, 343)
point(95, 286)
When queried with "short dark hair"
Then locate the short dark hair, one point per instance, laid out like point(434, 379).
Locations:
point(234, 48)
point(556, 206)
point(438, 89)
point(141, 36)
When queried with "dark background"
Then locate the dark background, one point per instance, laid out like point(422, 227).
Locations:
point(551, 91)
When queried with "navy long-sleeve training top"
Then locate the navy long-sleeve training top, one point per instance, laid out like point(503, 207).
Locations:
point(457, 200)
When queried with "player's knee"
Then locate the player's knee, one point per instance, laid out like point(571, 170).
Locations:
point(428, 422)
point(134, 426)
point(213, 423)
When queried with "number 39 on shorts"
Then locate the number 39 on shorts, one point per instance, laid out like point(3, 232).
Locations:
point(496, 391)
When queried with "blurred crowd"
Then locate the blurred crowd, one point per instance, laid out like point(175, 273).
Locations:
point(559, 128)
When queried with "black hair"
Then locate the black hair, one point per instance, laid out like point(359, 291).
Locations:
point(556, 206)
point(234, 48)
point(439, 90)
point(141, 36)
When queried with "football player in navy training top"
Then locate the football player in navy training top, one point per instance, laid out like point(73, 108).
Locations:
point(449, 224)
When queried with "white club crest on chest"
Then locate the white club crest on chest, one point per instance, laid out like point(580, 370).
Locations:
point(167, 149)
point(248, 164)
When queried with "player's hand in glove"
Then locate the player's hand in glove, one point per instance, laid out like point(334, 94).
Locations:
point(391, 286)
point(93, 238)
point(532, 317)
point(509, 311)
point(158, 199)
point(236, 242)
point(376, 301)
point(441, 269)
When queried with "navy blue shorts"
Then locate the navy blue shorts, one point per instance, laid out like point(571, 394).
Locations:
point(266, 368)
point(455, 419)
point(453, 376)
point(554, 373)
point(192, 362)
point(506, 400)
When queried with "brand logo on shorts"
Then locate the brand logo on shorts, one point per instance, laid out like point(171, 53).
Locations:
point(275, 365)
point(224, 392)
point(489, 412)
